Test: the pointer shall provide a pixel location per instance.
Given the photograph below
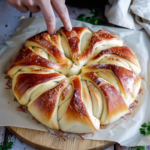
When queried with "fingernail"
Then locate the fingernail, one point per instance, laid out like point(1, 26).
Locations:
point(69, 27)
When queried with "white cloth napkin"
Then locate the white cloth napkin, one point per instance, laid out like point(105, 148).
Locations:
point(132, 14)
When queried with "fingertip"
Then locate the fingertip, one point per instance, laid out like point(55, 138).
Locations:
point(69, 27)
point(51, 31)
point(49, 16)
point(62, 11)
point(51, 27)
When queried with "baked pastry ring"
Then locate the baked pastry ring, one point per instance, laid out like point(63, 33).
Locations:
point(75, 80)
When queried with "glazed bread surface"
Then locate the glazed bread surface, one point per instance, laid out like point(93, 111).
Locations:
point(75, 80)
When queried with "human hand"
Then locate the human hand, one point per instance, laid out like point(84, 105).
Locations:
point(46, 7)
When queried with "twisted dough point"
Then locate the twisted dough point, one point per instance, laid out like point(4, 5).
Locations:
point(104, 79)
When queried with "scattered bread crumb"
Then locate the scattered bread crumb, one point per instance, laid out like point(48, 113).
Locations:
point(142, 77)
point(22, 17)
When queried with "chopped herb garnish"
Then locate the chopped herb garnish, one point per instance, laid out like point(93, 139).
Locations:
point(139, 148)
point(92, 11)
point(95, 19)
point(6, 145)
point(145, 130)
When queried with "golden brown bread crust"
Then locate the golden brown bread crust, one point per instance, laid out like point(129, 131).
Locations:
point(105, 35)
point(98, 37)
point(46, 103)
point(76, 109)
point(78, 104)
point(90, 48)
point(113, 100)
point(44, 41)
point(127, 80)
point(65, 92)
point(77, 113)
point(74, 38)
point(123, 52)
point(28, 80)
point(27, 57)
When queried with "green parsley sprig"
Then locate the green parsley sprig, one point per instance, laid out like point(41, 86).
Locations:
point(145, 130)
point(139, 148)
point(6, 145)
point(95, 19)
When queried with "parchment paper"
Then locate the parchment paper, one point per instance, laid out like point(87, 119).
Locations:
point(125, 132)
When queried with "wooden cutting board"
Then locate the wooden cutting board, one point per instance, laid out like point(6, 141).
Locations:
point(42, 141)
